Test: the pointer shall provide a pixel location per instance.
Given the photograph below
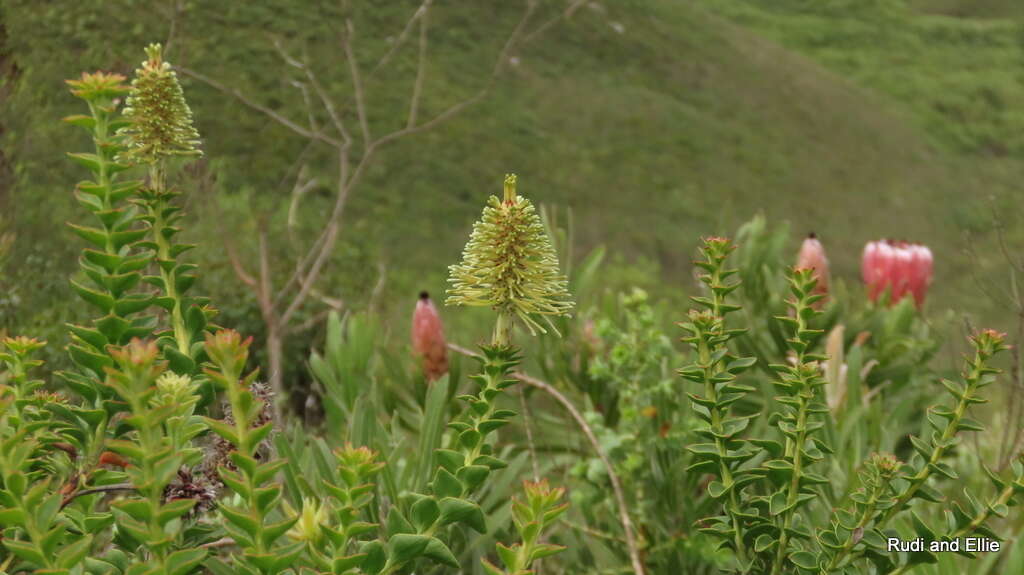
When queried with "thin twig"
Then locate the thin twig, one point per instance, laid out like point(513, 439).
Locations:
point(259, 107)
point(222, 542)
point(378, 287)
point(401, 37)
point(529, 434)
point(357, 82)
point(103, 489)
point(303, 184)
point(329, 236)
point(172, 31)
point(998, 224)
point(325, 100)
point(627, 523)
point(229, 246)
point(591, 531)
point(453, 110)
point(421, 67)
point(566, 14)
point(311, 322)
point(264, 282)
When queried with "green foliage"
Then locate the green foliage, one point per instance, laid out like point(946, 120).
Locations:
point(715, 369)
point(114, 262)
point(974, 110)
point(171, 480)
point(145, 474)
point(160, 408)
point(531, 517)
point(764, 484)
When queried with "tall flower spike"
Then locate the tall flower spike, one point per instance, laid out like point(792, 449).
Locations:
point(160, 121)
point(509, 264)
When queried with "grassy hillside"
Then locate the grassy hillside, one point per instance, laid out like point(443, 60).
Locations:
point(656, 122)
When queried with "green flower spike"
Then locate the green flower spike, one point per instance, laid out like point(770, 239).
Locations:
point(160, 119)
point(509, 264)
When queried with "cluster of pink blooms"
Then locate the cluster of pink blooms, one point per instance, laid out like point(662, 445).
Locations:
point(428, 338)
point(899, 268)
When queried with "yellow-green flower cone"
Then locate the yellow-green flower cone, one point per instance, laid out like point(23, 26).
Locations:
point(160, 119)
point(510, 265)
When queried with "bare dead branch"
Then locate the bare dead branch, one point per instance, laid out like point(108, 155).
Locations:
point(455, 109)
point(311, 322)
point(330, 233)
point(325, 100)
point(357, 82)
point(222, 542)
point(303, 185)
point(104, 489)
point(236, 262)
point(529, 434)
point(378, 287)
point(565, 15)
point(420, 11)
point(421, 66)
point(259, 107)
point(264, 290)
point(311, 254)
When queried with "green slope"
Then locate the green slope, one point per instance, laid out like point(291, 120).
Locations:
point(656, 122)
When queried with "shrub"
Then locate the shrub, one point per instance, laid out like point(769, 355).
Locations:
point(168, 460)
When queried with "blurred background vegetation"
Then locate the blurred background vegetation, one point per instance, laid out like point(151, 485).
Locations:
point(642, 124)
point(639, 125)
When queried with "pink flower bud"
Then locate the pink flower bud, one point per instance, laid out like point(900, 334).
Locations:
point(901, 268)
point(812, 256)
point(428, 338)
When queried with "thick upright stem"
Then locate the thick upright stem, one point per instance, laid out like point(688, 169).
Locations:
point(163, 253)
point(275, 355)
point(503, 329)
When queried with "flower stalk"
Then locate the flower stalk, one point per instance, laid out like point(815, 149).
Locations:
point(978, 375)
point(161, 415)
point(531, 517)
point(158, 129)
point(250, 477)
point(800, 384)
point(715, 370)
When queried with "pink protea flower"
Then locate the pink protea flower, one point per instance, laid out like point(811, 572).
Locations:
point(428, 338)
point(902, 268)
point(812, 256)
